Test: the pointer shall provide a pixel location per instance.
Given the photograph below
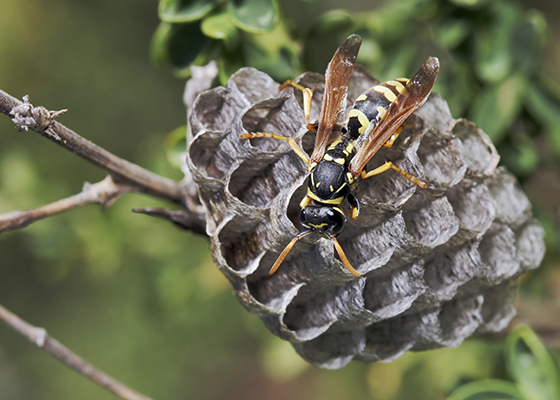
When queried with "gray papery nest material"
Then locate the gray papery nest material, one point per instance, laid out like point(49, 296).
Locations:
point(438, 264)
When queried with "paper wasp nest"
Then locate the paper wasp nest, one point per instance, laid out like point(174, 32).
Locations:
point(438, 264)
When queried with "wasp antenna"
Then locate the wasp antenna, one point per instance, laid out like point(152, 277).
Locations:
point(343, 257)
point(287, 250)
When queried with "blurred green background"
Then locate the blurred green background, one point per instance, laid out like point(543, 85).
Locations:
point(141, 299)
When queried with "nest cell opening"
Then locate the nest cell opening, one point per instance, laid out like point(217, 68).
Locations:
point(432, 223)
point(208, 157)
point(460, 319)
point(442, 157)
point(392, 294)
point(215, 109)
point(450, 268)
point(473, 205)
point(254, 183)
point(497, 250)
point(240, 243)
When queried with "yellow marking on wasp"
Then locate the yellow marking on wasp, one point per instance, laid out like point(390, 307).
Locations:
point(338, 200)
point(399, 86)
point(362, 97)
point(319, 226)
point(340, 187)
point(333, 144)
point(362, 119)
point(340, 161)
point(388, 93)
point(318, 184)
point(327, 157)
point(339, 210)
point(350, 177)
point(348, 149)
point(381, 111)
point(355, 212)
point(312, 166)
point(331, 188)
point(305, 202)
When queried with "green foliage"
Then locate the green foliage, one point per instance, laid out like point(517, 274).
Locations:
point(193, 32)
point(532, 368)
point(491, 54)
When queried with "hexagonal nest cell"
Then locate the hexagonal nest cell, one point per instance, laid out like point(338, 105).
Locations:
point(438, 264)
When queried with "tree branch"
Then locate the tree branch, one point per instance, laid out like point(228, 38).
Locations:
point(42, 121)
point(40, 337)
point(180, 218)
point(104, 193)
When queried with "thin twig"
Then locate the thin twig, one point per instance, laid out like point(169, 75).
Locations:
point(42, 121)
point(40, 337)
point(183, 219)
point(104, 193)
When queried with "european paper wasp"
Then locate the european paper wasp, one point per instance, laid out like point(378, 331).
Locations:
point(375, 120)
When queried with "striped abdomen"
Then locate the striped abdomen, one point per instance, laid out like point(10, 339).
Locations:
point(372, 105)
point(329, 181)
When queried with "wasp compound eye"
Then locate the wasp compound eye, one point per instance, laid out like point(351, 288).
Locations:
point(437, 264)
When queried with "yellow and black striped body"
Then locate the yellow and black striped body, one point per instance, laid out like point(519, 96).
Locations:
point(329, 182)
point(371, 106)
point(328, 185)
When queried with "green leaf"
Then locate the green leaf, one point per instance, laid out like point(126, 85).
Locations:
point(274, 53)
point(185, 10)
point(158, 47)
point(184, 43)
point(456, 84)
point(543, 102)
point(520, 153)
point(451, 32)
point(545, 108)
point(179, 44)
point(324, 37)
point(532, 366)
point(527, 41)
point(493, 51)
point(254, 16)
point(497, 106)
point(487, 389)
point(229, 62)
point(219, 26)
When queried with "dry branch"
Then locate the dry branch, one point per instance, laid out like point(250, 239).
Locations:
point(104, 193)
point(41, 121)
point(40, 337)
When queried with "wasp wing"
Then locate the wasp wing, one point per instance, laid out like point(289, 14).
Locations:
point(413, 96)
point(336, 86)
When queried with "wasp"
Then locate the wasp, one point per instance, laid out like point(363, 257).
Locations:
point(375, 120)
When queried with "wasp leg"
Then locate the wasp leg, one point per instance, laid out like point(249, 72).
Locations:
point(342, 256)
point(393, 137)
point(307, 98)
point(291, 142)
point(287, 250)
point(305, 202)
point(390, 165)
point(355, 205)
